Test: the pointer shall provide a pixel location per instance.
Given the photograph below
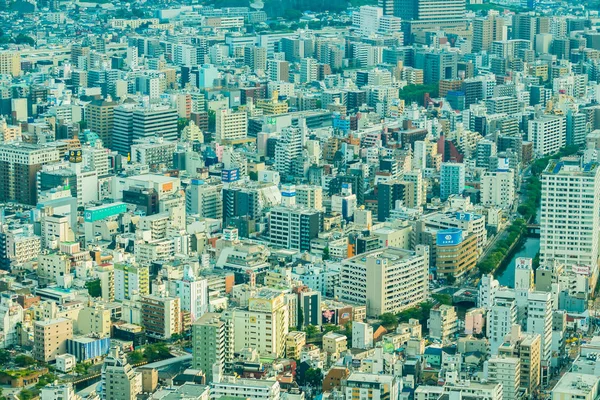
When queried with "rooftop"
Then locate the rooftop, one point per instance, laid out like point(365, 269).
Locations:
point(576, 384)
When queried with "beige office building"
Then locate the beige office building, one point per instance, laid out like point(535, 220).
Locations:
point(50, 338)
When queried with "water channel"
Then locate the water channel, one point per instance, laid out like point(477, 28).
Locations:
point(529, 249)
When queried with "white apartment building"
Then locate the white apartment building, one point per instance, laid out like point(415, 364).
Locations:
point(371, 386)
point(230, 125)
point(500, 318)
point(474, 390)
point(119, 381)
point(362, 335)
point(367, 19)
point(498, 189)
point(443, 323)
point(55, 391)
point(576, 386)
point(539, 320)
point(488, 286)
point(250, 389)
point(264, 325)
point(192, 292)
point(507, 371)
point(548, 134)
point(397, 279)
point(569, 219)
point(11, 316)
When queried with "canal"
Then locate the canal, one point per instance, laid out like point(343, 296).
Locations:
point(529, 249)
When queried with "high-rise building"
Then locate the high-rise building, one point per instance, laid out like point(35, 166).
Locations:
point(19, 165)
point(250, 389)
point(99, 115)
point(153, 151)
point(501, 316)
point(507, 371)
point(437, 65)
point(387, 6)
point(569, 221)
point(289, 148)
point(455, 253)
point(265, 324)
point(294, 227)
point(443, 323)
point(211, 343)
point(122, 132)
point(161, 316)
point(548, 134)
point(255, 57)
point(539, 320)
point(192, 292)
point(130, 280)
point(408, 270)
point(486, 31)
point(525, 27)
point(231, 126)
point(10, 63)
point(527, 348)
point(372, 386)
point(310, 196)
point(387, 195)
point(308, 70)
point(498, 189)
point(278, 70)
point(50, 338)
point(452, 179)
point(204, 198)
point(118, 380)
point(366, 19)
point(132, 123)
point(419, 15)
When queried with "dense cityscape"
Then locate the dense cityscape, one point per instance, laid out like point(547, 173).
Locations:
point(299, 200)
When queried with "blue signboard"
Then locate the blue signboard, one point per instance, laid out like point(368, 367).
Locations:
point(99, 213)
point(230, 175)
point(463, 216)
point(449, 237)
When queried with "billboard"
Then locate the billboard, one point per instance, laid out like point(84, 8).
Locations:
point(449, 237)
point(463, 216)
point(230, 175)
point(523, 263)
point(99, 213)
point(581, 269)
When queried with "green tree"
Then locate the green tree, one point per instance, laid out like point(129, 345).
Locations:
point(443, 298)
point(182, 123)
point(212, 120)
point(27, 394)
point(331, 328)
point(94, 288)
point(326, 253)
point(311, 331)
point(314, 378)
point(348, 331)
point(292, 14)
point(23, 360)
point(45, 379)
point(388, 320)
point(157, 351)
point(5, 356)
point(135, 357)
point(300, 318)
point(24, 39)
